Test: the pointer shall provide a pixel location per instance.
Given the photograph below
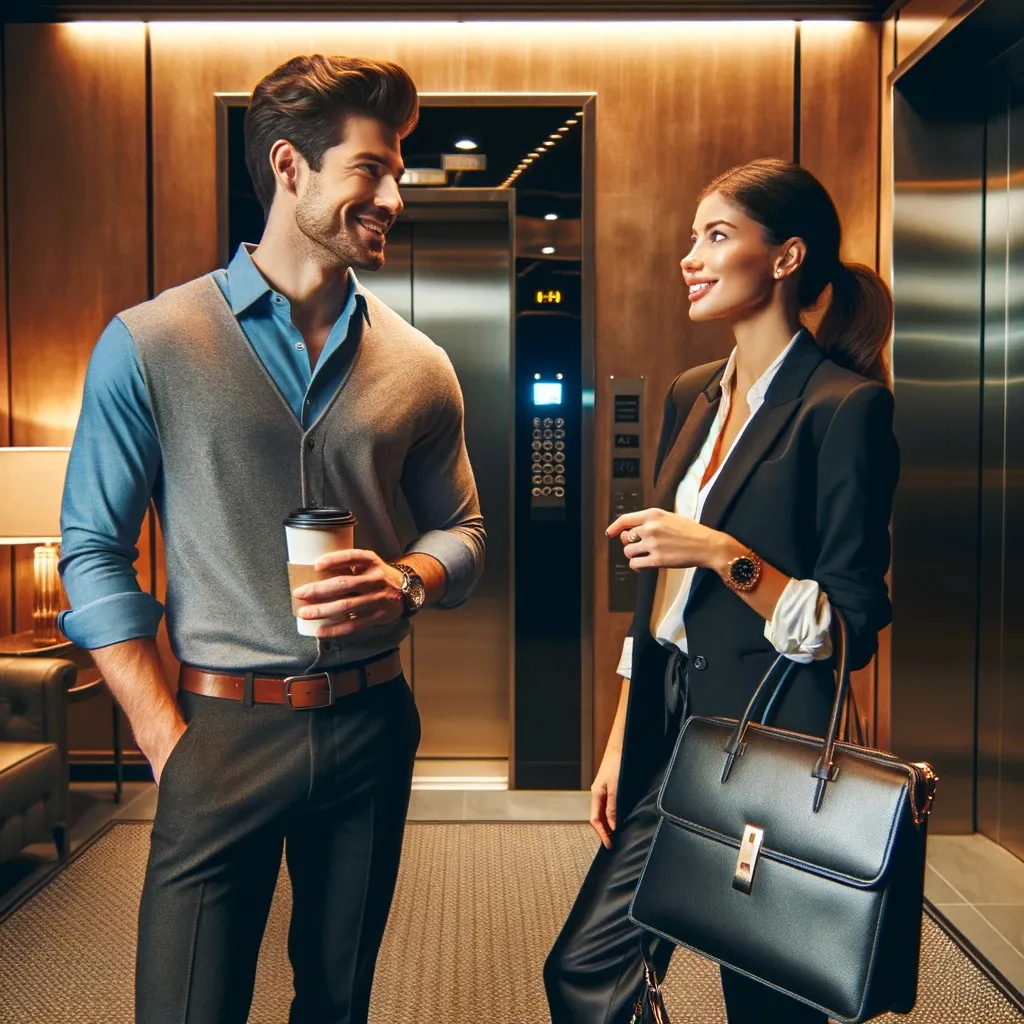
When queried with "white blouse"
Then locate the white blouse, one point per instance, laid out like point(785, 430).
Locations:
point(799, 627)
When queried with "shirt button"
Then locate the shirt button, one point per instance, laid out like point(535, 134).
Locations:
point(299, 347)
point(700, 662)
point(311, 443)
point(278, 299)
point(312, 502)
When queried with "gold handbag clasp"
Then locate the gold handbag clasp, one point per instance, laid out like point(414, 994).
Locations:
point(746, 862)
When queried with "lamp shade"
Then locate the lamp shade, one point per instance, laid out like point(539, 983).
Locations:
point(31, 487)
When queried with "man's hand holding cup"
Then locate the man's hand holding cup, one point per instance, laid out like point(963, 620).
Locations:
point(362, 591)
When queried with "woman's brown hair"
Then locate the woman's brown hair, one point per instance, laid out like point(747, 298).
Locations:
point(306, 101)
point(789, 202)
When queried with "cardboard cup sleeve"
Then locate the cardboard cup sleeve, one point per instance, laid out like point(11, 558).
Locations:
point(300, 574)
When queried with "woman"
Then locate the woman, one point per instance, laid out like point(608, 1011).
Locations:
point(774, 486)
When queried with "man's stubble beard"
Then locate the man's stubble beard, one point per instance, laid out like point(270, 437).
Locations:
point(315, 220)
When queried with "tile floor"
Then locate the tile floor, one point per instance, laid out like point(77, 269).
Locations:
point(979, 887)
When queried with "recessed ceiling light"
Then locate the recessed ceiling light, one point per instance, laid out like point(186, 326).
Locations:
point(465, 144)
point(551, 216)
point(572, 121)
point(562, 131)
point(548, 250)
point(554, 135)
point(579, 113)
point(548, 145)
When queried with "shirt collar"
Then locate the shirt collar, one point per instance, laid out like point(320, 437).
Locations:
point(756, 394)
point(246, 284)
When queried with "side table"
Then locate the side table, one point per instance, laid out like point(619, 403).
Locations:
point(22, 645)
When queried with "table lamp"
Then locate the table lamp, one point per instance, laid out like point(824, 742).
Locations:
point(31, 487)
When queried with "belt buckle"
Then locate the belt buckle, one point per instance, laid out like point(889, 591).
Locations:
point(290, 680)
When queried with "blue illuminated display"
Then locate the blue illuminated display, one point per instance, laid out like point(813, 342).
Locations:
point(547, 393)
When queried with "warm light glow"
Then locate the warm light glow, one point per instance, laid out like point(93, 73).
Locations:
point(548, 144)
point(551, 216)
point(99, 30)
point(548, 250)
point(573, 121)
point(465, 144)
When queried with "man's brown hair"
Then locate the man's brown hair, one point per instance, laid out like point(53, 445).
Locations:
point(306, 102)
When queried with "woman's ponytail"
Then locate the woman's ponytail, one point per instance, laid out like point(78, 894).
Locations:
point(856, 327)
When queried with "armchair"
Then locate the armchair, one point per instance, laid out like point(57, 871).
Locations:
point(34, 793)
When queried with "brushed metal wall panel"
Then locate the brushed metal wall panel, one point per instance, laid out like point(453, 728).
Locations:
point(1011, 825)
point(991, 567)
point(937, 229)
point(453, 282)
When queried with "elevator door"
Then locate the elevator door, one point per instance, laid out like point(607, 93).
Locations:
point(1001, 618)
point(453, 281)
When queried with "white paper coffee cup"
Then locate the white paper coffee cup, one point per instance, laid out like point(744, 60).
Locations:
point(311, 533)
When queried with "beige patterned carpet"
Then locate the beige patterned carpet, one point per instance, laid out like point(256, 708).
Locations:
point(477, 908)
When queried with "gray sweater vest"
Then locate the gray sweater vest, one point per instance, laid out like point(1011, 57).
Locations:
point(236, 461)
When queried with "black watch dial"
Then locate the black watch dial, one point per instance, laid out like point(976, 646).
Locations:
point(743, 571)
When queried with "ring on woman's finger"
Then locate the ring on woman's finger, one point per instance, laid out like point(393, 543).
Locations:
point(352, 615)
point(634, 537)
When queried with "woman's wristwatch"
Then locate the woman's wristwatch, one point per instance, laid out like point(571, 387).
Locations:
point(743, 573)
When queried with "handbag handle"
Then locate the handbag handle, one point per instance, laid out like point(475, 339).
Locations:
point(824, 769)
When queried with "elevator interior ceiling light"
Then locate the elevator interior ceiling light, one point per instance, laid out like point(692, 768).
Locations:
point(465, 144)
point(551, 216)
point(536, 376)
point(548, 250)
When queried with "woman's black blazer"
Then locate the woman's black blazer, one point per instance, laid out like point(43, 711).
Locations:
point(809, 487)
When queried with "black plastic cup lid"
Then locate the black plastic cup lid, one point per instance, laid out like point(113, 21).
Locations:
point(320, 518)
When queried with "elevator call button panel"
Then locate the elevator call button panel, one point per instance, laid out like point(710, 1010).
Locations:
point(548, 449)
point(627, 491)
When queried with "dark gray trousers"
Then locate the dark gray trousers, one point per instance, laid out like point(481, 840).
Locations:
point(331, 787)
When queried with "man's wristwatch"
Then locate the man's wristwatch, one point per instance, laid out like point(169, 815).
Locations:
point(743, 573)
point(413, 591)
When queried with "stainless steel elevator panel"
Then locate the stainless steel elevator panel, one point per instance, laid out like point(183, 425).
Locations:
point(453, 281)
point(1011, 826)
point(1001, 618)
point(992, 539)
point(937, 229)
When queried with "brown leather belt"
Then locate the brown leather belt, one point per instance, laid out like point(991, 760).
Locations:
point(312, 690)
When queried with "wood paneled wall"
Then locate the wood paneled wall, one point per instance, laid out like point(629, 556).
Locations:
point(6, 580)
point(76, 202)
point(919, 19)
point(677, 103)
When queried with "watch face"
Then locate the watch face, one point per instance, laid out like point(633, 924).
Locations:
point(416, 593)
point(743, 570)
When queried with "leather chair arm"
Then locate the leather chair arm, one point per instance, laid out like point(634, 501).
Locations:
point(33, 699)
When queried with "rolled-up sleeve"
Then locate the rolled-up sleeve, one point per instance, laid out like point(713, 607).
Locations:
point(625, 666)
point(858, 466)
point(799, 627)
point(112, 470)
point(438, 484)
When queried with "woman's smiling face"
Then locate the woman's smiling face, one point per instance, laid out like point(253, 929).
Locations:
point(729, 269)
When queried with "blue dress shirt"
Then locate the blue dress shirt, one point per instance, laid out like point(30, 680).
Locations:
point(115, 461)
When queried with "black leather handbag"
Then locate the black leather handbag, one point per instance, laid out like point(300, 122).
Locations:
point(796, 861)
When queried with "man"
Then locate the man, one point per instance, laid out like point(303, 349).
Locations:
point(233, 400)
